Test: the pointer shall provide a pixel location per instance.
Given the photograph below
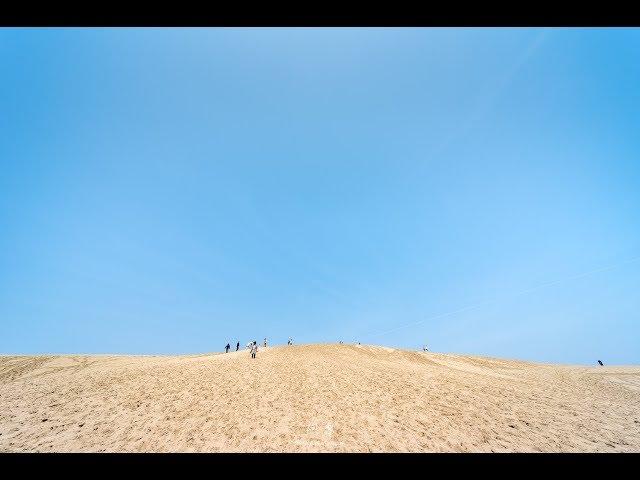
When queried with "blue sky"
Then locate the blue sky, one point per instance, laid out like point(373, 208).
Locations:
point(169, 190)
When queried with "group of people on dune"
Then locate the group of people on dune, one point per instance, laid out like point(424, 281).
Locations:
point(252, 346)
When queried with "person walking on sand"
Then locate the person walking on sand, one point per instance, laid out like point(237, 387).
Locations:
point(227, 348)
point(254, 350)
point(237, 346)
point(265, 342)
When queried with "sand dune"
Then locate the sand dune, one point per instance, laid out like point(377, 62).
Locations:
point(318, 398)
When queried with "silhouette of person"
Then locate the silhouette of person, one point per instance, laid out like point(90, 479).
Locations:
point(601, 364)
point(227, 348)
point(237, 346)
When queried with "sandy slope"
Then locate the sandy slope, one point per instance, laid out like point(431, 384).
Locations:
point(314, 398)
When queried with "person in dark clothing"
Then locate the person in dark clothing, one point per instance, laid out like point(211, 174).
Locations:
point(237, 346)
point(227, 348)
point(601, 364)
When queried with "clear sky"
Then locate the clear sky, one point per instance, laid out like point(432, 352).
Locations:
point(169, 190)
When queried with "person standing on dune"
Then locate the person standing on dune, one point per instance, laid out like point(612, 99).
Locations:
point(227, 348)
point(254, 350)
point(237, 346)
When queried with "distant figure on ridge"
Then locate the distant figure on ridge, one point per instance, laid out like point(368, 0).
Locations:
point(254, 349)
point(227, 348)
point(265, 342)
point(290, 342)
point(601, 364)
point(237, 346)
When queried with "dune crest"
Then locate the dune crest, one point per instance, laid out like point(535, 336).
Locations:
point(314, 398)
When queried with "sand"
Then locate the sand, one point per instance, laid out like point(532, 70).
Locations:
point(314, 398)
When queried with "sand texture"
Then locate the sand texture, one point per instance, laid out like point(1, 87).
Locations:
point(314, 398)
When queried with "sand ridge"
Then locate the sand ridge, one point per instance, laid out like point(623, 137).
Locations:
point(314, 398)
